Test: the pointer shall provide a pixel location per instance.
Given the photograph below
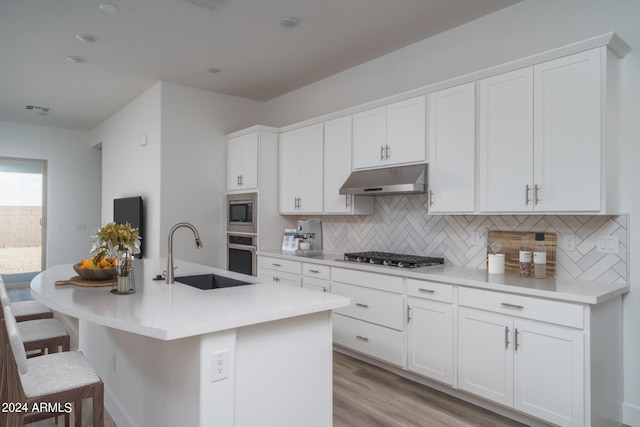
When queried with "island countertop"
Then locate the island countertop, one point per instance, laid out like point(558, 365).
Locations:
point(169, 312)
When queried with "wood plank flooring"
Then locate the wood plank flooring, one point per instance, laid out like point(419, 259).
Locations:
point(367, 396)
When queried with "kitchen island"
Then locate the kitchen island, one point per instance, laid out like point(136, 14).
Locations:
point(258, 354)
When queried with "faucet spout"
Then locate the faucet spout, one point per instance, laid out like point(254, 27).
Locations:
point(170, 277)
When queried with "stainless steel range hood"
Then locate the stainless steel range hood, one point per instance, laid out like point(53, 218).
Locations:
point(390, 180)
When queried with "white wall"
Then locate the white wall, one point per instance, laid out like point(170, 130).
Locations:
point(130, 168)
point(194, 124)
point(523, 29)
point(73, 185)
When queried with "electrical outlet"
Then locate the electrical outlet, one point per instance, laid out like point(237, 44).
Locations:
point(569, 242)
point(219, 365)
point(476, 238)
point(608, 244)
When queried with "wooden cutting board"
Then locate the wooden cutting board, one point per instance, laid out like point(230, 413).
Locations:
point(78, 281)
point(510, 241)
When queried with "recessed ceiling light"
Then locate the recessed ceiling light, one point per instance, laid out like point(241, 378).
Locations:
point(109, 8)
point(213, 70)
point(288, 22)
point(89, 38)
point(76, 59)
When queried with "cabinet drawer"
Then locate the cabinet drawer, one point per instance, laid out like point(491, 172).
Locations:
point(279, 264)
point(382, 282)
point(430, 290)
point(269, 275)
point(315, 270)
point(371, 305)
point(317, 284)
point(561, 313)
point(376, 341)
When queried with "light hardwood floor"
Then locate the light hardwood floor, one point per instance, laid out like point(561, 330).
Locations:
point(363, 396)
point(367, 396)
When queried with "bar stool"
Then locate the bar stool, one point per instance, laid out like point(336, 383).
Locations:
point(26, 310)
point(40, 336)
point(54, 380)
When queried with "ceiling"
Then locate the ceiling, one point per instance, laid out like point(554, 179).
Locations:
point(177, 41)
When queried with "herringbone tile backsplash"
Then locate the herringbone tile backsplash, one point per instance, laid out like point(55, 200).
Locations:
point(401, 224)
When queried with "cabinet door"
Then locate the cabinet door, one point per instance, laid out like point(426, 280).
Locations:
point(506, 142)
point(568, 140)
point(452, 149)
point(337, 165)
point(369, 137)
point(549, 372)
point(242, 162)
point(406, 131)
point(310, 169)
point(430, 338)
point(289, 171)
point(485, 355)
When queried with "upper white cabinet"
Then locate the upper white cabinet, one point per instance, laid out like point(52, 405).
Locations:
point(543, 146)
point(301, 170)
point(506, 142)
point(242, 162)
point(337, 168)
point(452, 130)
point(389, 135)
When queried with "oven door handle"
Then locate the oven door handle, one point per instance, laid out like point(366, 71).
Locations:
point(251, 248)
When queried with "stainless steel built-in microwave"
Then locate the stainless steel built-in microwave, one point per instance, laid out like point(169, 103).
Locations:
point(241, 213)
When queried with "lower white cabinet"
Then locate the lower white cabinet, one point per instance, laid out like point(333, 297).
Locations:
point(531, 366)
point(374, 322)
point(430, 339)
point(280, 270)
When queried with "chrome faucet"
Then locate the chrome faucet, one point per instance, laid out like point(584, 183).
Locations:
point(170, 278)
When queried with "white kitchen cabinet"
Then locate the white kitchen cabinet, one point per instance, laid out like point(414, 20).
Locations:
point(430, 339)
point(544, 146)
point(316, 277)
point(301, 170)
point(390, 135)
point(280, 270)
point(506, 142)
point(452, 130)
point(533, 366)
point(337, 168)
point(374, 322)
point(242, 162)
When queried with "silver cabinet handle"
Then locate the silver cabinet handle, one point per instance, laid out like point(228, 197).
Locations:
point(361, 338)
point(516, 339)
point(506, 337)
point(314, 271)
point(526, 195)
point(276, 265)
point(347, 198)
point(381, 152)
point(276, 279)
point(358, 304)
point(241, 180)
point(426, 291)
point(387, 152)
point(514, 306)
point(430, 198)
point(536, 194)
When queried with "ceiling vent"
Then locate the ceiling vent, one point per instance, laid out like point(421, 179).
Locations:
point(43, 111)
point(211, 4)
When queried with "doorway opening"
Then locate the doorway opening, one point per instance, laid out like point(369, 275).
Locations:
point(22, 219)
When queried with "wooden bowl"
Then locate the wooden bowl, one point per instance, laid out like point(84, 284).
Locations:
point(94, 273)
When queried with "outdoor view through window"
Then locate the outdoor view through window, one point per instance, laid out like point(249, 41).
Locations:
point(20, 219)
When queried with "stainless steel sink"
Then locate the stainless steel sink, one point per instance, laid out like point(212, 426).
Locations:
point(210, 281)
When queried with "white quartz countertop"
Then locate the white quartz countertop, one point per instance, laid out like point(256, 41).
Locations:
point(168, 312)
point(571, 290)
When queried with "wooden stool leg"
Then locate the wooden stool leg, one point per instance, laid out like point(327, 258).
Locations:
point(98, 407)
point(77, 412)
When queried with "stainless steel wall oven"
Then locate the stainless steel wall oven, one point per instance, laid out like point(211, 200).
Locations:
point(241, 253)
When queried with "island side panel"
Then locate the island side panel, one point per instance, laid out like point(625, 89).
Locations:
point(284, 373)
point(147, 381)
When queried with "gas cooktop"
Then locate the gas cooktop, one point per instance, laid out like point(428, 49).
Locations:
point(394, 260)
